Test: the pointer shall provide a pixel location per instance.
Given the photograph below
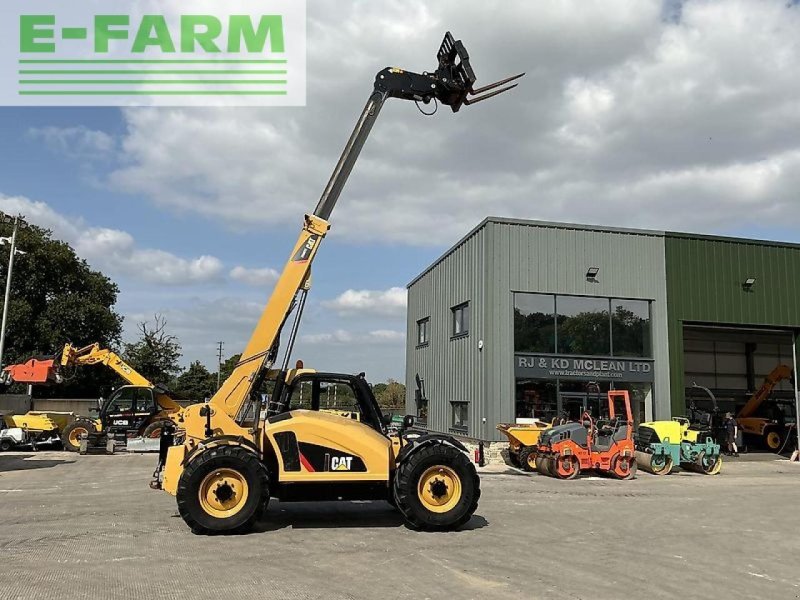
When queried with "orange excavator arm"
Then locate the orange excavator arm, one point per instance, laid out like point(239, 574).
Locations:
point(778, 374)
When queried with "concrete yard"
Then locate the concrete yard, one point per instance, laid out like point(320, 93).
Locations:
point(89, 527)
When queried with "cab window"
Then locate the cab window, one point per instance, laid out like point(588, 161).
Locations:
point(131, 399)
point(333, 396)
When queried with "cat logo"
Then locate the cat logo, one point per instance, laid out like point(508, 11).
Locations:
point(341, 463)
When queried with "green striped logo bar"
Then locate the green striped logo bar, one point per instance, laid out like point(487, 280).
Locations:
point(76, 53)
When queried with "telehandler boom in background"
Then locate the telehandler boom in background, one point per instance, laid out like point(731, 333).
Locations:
point(230, 462)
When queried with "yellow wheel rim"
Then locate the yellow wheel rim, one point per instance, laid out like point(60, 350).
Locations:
point(75, 435)
point(223, 493)
point(439, 489)
point(717, 466)
point(773, 440)
point(532, 461)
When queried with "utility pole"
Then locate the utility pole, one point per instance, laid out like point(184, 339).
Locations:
point(18, 222)
point(220, 344)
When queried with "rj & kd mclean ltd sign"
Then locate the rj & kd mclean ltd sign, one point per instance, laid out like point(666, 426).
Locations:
point(582, 367)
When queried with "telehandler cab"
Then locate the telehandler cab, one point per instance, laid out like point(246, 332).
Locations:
point(229, 461)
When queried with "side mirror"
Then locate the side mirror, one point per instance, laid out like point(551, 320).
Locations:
point(386, 418)
point(408, 421)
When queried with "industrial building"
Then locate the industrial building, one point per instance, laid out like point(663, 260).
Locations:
point(527, 318)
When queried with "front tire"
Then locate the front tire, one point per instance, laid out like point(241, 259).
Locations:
point(6, 445)
point(71, 436)
point(153, 431)
point(527, 458)
point(223, 490)
point(437, 488)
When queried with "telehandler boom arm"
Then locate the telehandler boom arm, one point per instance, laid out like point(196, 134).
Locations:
point(450, 84)
point(777, 375)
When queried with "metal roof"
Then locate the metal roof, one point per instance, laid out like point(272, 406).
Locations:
point(597, 228)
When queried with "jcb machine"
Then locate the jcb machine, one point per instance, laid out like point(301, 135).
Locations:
point(140, 409)
point(690, 443)
point(231, 462)
point(604, 445)
point(523, 442)
point(769, 431)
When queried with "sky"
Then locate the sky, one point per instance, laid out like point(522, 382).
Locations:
point(633, 113)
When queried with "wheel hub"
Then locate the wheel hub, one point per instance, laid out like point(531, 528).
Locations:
point(438, 488)
point(223, 492)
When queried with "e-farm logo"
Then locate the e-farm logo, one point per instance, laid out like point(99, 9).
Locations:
point(185, 53)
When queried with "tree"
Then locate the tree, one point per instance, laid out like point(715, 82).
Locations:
point(392, 394)
point(196, 383)
point(57, 298)
point(155, 355)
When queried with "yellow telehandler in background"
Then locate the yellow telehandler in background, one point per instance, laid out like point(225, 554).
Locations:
point(140, 409)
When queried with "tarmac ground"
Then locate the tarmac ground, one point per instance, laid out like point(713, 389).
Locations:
point(82, 527)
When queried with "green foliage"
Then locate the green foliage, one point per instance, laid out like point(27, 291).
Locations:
point(156, 354)
point(391, 394)
point(57, 298)
point(195, 383)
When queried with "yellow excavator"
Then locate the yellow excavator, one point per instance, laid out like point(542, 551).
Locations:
point(229, 461)
point(139, 409)
point(770, 431)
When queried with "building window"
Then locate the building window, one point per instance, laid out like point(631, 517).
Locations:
point(535, 323)
point(630, 328)
point(422, 331)
point(582, 326)
point(460, 416)
point(460, 319)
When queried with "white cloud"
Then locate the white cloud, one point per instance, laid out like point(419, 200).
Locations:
point(76, 142)
point(625, 117)
point(344, 337)
point(254, 277)
point(387, 303)
point(113, 250)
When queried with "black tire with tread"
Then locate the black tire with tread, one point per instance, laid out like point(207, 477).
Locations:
point(6, 445)
point(231, 457)
point(155, 426)
point(407, 477)
point(82, 422)
point(524, 456)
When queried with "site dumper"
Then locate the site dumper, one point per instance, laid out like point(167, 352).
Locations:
point(523, 442)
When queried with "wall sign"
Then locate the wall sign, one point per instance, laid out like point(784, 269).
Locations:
point(548, 366)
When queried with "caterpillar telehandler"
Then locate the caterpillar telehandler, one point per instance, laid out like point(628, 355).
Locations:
point(140, 409)
point(229, 462)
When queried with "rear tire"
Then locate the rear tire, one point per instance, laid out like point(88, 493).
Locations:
point(153, 430)
point(437, 488)
point(566, 467)
point(71, 436)
point(223, 490)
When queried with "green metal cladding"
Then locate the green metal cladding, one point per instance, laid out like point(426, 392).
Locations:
point(705, 279)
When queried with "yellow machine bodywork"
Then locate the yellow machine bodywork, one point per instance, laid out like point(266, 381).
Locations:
point(320, 428)
point(40, 421)
point(675, 431)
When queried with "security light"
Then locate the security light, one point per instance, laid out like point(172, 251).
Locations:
point(748, 284)
point(591, 274)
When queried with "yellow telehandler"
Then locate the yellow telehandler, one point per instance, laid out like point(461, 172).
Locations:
point(229, 461)
point(139, 409)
